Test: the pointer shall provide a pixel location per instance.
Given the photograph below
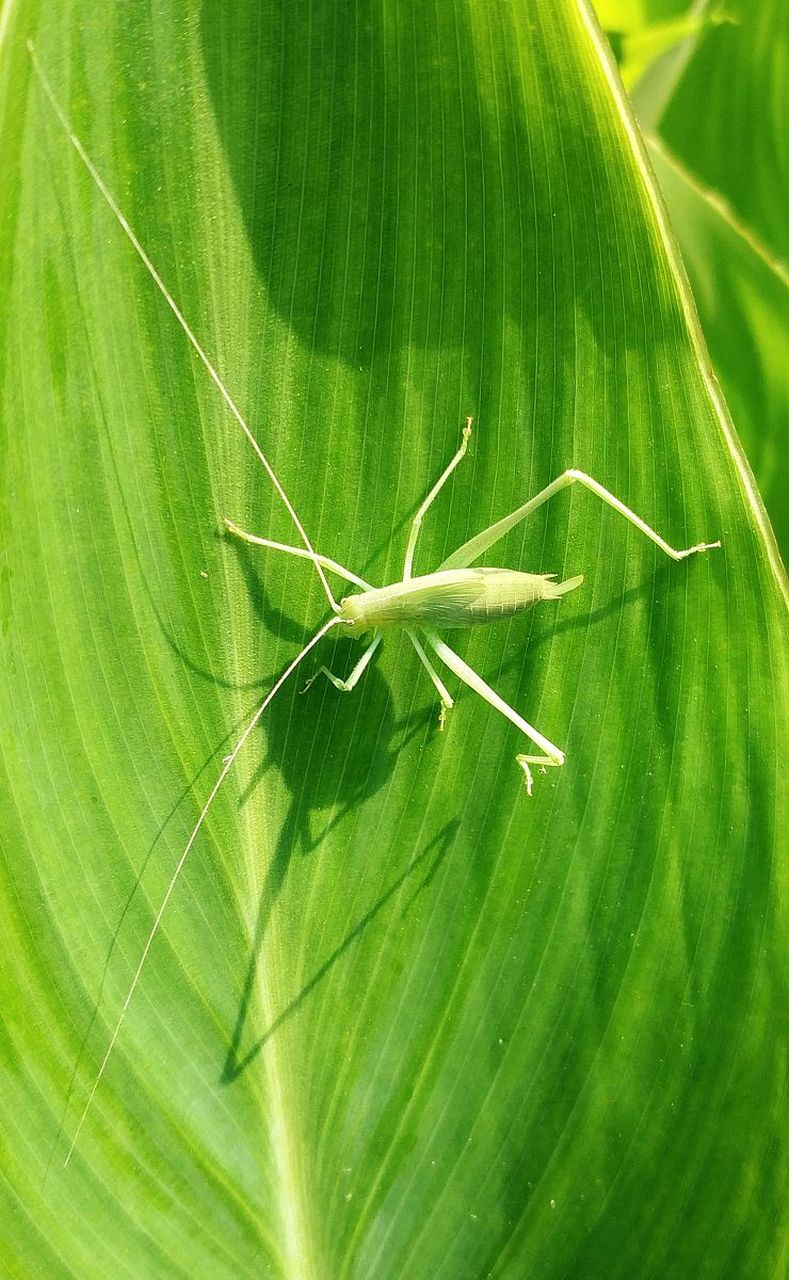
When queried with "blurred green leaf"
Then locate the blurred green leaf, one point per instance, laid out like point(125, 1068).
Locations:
point(718, 106)
point(400, 1020)
point(641, 31)
point(743, 299)
point(727, 115)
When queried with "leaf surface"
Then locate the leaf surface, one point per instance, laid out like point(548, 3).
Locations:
point(400, 1020)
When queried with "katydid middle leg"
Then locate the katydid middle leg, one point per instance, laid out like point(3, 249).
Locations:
point(443, 693)
point(345, 686)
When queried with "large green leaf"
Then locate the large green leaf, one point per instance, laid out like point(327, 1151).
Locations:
point(401, 1020)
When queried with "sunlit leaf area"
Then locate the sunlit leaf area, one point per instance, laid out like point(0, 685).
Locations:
point(406, 1010)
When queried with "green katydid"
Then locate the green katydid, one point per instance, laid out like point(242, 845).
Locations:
point(455, 596)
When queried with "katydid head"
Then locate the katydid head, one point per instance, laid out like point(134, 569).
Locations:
point(352, 613)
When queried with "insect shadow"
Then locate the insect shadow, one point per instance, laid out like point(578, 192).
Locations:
point(366, 729)
point(333, 780)
point(426, 864)
point(369, 724)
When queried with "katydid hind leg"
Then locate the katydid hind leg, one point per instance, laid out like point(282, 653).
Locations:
point(542, 762)
point(552, 754)
point(481, 542)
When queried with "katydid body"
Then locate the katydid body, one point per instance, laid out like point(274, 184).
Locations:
point(455, 596)
point(451, 598)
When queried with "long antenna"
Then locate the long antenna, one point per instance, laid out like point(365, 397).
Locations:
point(176, 310)
point(229, 761)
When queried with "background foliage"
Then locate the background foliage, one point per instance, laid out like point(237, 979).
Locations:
point(714, 109)
point(401, 1020)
